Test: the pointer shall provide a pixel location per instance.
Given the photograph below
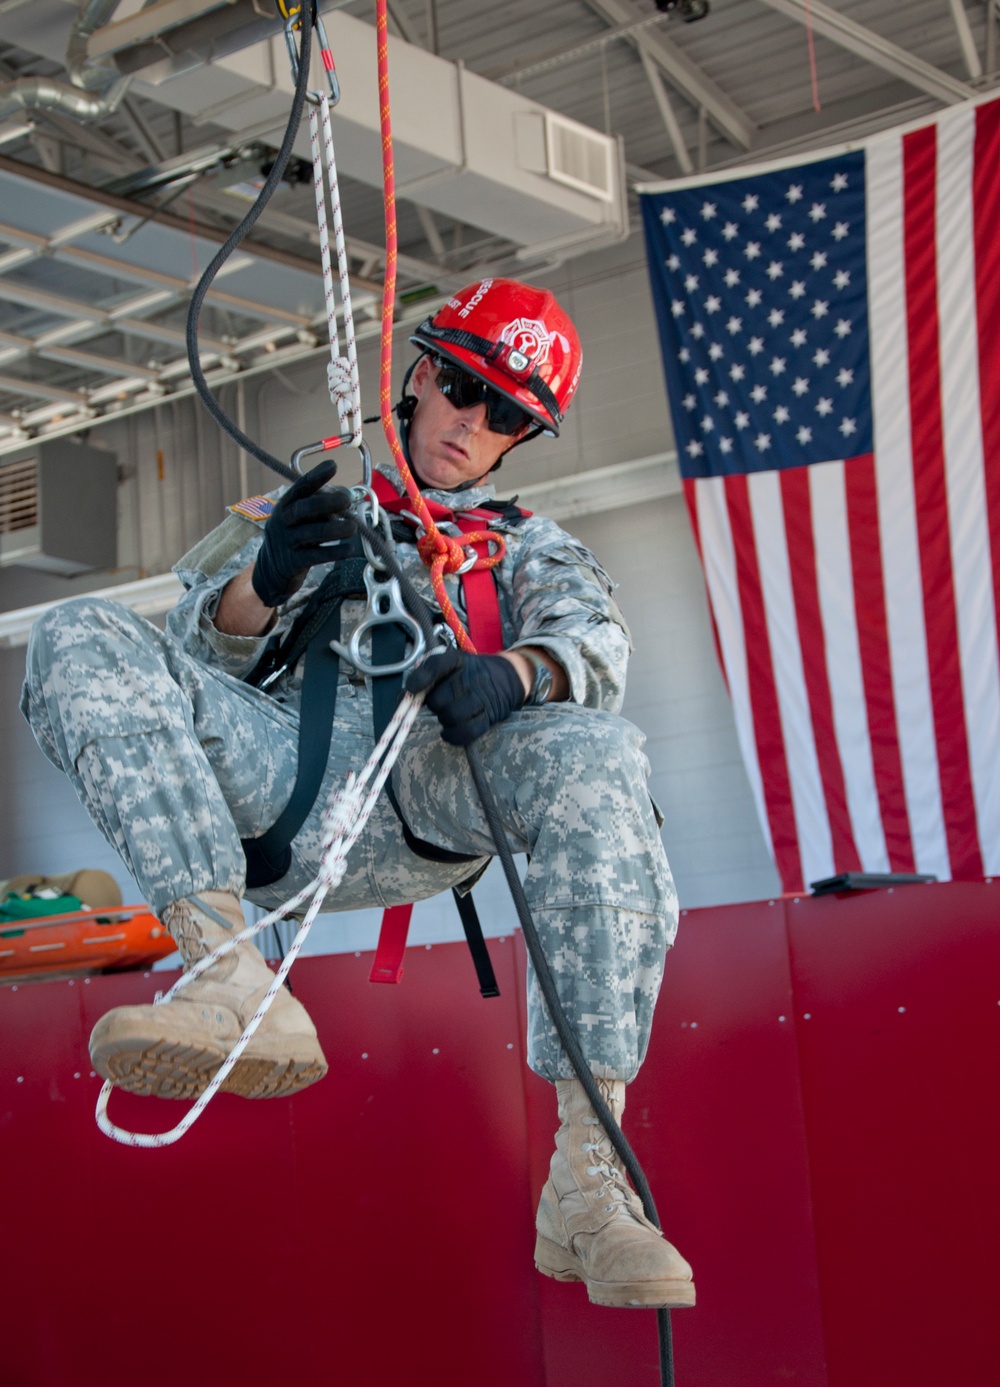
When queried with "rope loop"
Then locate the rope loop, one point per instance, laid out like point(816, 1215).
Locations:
point(342, 371)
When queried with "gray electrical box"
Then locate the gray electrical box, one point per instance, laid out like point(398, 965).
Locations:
point(59, 508)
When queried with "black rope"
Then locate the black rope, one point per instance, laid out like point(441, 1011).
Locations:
point(568, 1037)
point(236, 236)
point(421, 613)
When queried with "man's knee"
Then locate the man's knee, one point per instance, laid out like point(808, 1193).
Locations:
point(593, 746)
point(81, 622)
point(94, 668)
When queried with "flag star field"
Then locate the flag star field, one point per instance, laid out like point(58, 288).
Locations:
point(761, 294)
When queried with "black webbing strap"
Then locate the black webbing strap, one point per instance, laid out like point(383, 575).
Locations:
point(270, 856)
point(469, 916)
point(388, 647)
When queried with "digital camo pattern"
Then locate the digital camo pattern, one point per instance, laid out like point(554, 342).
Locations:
point(176, 760)
point(553, 594)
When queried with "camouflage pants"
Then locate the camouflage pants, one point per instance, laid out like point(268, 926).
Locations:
point(176, 761)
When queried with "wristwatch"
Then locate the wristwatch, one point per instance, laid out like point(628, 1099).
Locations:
point(541, 684)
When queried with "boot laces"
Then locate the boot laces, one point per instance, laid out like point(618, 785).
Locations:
point(614, 1185)
point(186, 933)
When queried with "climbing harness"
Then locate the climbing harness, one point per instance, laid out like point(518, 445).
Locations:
point(389, 592)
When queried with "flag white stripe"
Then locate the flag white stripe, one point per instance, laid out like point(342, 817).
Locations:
point(835, 581)
point(812, 825)
point(896, 506)
point(724, 593)
point(963, 443)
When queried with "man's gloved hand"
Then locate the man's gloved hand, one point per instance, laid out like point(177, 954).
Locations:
point(468, 693)
point(304, 529)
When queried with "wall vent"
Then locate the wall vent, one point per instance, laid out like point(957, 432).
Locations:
point(580, 157)
point(58, 509)
point(18, 510)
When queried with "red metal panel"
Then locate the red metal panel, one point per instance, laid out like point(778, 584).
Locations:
point(715, 1118)
point(378, 1227)
point(374, 1229)
point(903, 1126)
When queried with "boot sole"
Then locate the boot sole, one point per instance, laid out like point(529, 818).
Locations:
point(159, 1068)
point(559, 1263)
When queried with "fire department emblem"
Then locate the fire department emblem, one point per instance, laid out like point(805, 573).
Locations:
point(530, 337)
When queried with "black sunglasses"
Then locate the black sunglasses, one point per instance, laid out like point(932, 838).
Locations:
point(464, 390)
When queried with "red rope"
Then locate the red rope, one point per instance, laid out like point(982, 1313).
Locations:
point(441, 553)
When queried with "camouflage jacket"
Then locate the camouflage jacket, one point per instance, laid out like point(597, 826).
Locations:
point(552, 591)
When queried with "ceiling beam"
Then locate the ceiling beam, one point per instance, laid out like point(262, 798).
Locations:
point(684, 74)
point(865, 43)
point(430, 229)
point(131, 208)
point(970, 53)
point(555, 57)
point(667, 113)
point(14, 385)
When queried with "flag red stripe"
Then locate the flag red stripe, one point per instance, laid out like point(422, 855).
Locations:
point(795, 499)
point(986, 219)
point(873, 644)
point(763, 692)
point(931, 502)
point(690, 497)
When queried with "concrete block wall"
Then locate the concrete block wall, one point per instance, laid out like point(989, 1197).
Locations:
point(675, 692)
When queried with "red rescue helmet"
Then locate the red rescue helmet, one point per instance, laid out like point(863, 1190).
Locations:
point(514, 337)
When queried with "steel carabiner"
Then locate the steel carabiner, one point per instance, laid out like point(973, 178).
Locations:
point(293, 20)
point(327, 445)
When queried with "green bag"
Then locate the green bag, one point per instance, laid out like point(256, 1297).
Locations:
point(16, 909)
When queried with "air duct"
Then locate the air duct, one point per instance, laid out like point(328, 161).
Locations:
point(27, 94)
point(464, 147)
point(94, 91)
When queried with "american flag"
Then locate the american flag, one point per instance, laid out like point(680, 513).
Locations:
point(831, 343)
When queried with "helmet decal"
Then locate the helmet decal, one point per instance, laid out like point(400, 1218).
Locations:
point(477, 298)
point(516, 338)
point(530, 337)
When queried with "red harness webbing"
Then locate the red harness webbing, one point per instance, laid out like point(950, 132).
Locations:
point(482, 609)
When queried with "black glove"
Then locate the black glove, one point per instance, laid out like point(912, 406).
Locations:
point(469, 693)
point(304, 529)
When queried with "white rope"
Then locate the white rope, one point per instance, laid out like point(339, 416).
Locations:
point(343, 823)
point(342, 371)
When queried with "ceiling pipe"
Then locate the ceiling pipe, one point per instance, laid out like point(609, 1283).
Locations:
point(83, 71)
point(93, 91)
point(26, 94)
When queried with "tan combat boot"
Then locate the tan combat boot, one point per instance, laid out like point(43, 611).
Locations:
point(173, 1050)
point(590, 1222)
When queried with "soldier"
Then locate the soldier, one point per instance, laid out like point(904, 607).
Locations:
point(185, 765)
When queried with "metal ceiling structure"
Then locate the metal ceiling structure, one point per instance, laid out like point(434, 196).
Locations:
point(107, 221)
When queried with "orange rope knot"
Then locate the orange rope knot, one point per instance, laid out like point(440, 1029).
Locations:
point(454, 553)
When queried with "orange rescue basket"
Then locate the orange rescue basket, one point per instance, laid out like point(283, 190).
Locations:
point(106, 940)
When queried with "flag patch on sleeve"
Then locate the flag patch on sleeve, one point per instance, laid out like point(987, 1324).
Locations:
point(254, 507)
